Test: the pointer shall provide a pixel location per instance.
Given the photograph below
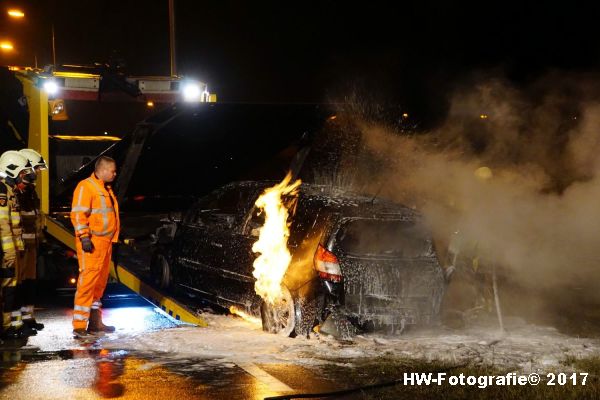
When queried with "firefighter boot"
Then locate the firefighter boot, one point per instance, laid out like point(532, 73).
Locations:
point(96, 325)
point(11, 333)
point(28, 330)
point(83, 334)
point(27, 311)
point(15, 333)
point(33, 324)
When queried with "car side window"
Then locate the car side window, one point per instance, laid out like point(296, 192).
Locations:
point(256, 218)
point(222, 208)
point(203, 206)
point(255, 222)
point(229, 202)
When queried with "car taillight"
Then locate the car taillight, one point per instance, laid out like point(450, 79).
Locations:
point(327, 265)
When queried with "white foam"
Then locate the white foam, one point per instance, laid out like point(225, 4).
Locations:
point(229, 339)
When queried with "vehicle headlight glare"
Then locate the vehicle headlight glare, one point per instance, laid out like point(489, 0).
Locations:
point(191, 92)
point(51, 87)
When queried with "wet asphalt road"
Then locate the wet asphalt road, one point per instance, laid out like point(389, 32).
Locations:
point(54, 365)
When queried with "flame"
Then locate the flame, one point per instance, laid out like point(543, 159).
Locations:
point(272, 263)
point(253, 320)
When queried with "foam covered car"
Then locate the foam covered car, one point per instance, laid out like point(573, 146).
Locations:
point(367, 260)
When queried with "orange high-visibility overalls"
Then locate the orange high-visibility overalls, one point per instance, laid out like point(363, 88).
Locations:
point(95, 213)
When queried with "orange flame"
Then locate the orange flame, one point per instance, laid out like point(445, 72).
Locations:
point(253, 320)
point(272, 263)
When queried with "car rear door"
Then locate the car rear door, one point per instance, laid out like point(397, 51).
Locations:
point(236, 263)
point(217, 252)
point(192, 247)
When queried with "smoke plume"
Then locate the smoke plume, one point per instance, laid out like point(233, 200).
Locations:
point(538, 217)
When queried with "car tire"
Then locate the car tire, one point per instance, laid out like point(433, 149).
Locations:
point(161, 271)
point(279, 318)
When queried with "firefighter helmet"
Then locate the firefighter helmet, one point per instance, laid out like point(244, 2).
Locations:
point(12, 163)
point(34, 158)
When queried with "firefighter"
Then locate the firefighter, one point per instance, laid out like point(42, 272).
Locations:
point(479, 292)
point(482, 271)
point(95, 217)
point(32, 235)
point(16, 170)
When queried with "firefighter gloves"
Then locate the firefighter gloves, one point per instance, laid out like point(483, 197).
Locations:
point(86, 244)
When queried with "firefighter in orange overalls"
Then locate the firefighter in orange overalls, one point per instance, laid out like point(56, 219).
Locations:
point(95, 217)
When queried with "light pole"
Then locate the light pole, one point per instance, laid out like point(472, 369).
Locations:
point(172, 38)
point(53, 47)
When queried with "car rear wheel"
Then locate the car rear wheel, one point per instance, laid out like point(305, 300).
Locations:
point(161, 271)
point(279, 317)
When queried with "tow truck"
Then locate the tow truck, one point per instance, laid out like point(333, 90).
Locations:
point(73, 117)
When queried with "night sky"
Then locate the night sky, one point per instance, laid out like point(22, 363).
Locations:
point(408, 52)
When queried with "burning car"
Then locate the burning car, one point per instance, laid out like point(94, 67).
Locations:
point(370, 260)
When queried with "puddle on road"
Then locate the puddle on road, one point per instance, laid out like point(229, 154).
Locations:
point(102, 373)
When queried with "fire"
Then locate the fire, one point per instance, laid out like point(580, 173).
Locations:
point(272, 263)
point(253, 320)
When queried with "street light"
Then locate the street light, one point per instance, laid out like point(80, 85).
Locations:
point(18, 14)
point(14, 13)
point(6, 46)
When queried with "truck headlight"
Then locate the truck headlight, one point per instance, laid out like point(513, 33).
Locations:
point(51, 87)
point(191, 92)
